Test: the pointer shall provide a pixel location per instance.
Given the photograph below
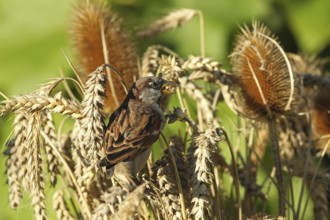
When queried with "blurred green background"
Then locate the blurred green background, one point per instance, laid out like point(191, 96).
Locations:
point(33, 33)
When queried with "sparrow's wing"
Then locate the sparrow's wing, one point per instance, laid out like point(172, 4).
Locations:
point(131, 133)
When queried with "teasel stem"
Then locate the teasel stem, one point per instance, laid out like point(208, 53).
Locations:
point(277, 163)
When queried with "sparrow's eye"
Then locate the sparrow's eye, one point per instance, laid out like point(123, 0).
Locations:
point(154, 85)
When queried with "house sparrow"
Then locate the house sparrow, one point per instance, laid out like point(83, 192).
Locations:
point(133, 128)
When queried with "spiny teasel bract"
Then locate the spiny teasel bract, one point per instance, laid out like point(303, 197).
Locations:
point(263, 71)
point(99, 37)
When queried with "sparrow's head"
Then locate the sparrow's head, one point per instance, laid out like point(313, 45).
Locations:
point(151, 89)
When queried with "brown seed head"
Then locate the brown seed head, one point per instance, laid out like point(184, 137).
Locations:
point(263, 72)
point(99, 38)
point(321, 118)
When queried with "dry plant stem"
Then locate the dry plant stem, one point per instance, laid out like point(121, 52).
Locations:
point(235, 177)
point(119, 75)
point(177, 178)
point(3, 95)
point(269, 177)
point(216, 189)
point(106, 60)
point(201, 33)
point(67, 87)
point(277, 161)
point(292, 204)
point(75, 71)
point(68, 171)
point(307, 159)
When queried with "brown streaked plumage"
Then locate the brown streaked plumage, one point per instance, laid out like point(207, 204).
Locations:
point(136, 124)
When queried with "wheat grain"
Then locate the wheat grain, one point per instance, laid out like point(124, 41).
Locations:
point(52, 162)
point(203, 68)
point(200, 160)
point(37, 102)
point(60, 207)
point(13, 180)
point(131, 207)
point(204, 104)
point(150, 61)
point(34, 178)
point(111, 201)
point(92, 122)
point(169, 68)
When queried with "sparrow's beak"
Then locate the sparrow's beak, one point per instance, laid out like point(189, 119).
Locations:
point(169, 87)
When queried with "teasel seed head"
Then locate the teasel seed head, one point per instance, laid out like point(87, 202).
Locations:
point(263, 71)
point(321, 119)
point(99, 37)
